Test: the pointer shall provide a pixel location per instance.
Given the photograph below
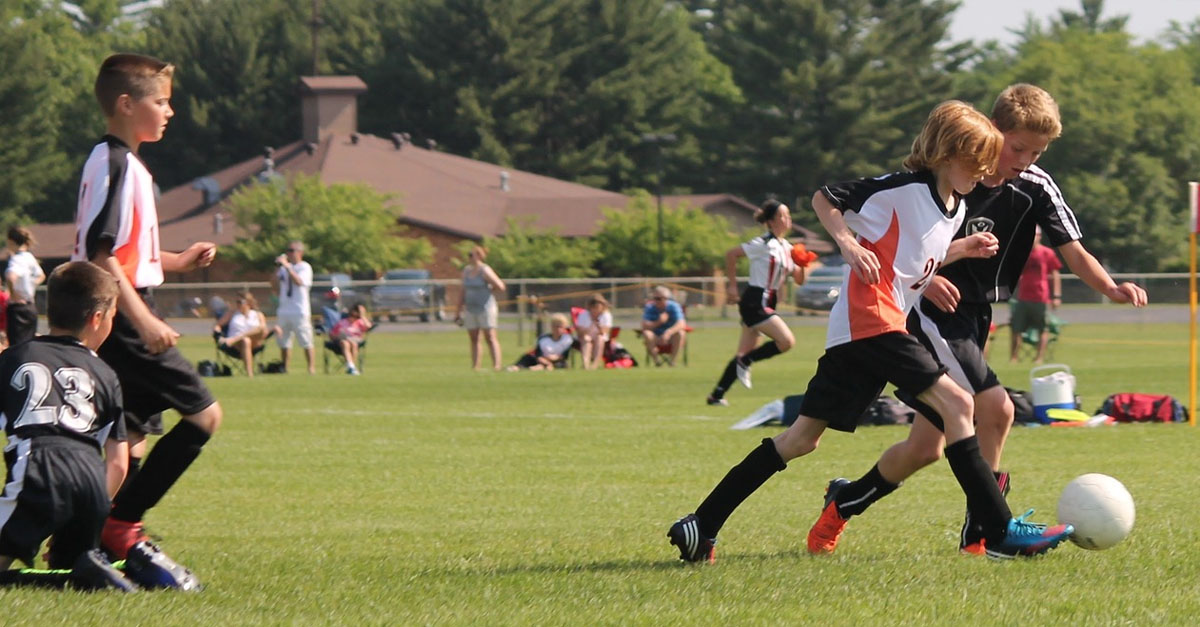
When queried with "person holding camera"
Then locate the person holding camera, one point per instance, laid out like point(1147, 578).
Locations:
point(293, 279)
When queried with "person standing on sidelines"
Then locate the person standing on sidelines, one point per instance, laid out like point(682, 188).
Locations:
point(954, 317)
point(1038, 291)
point(116, 227)
point(479, 284)
point(23, 275)
point(771, 263)
point(902, 225)
point(293, 278)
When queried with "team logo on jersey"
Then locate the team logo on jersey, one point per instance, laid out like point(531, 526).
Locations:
point(980, 225)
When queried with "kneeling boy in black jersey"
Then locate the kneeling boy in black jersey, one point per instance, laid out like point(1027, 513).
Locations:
point(61, 406)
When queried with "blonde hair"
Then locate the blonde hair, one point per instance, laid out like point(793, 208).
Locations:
point(1025, 107)
point(560, 320)
point(480, 253)
point(597, 299)
point(956, 131)
point(135, 74)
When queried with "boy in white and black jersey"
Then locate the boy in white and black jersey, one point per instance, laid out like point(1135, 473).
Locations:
point(61, 408)
point(902, 228)
point(771, 263)
point(551, 350)
point(117, 228)
point(955, 314)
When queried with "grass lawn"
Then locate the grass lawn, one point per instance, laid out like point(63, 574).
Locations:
point(425, 493)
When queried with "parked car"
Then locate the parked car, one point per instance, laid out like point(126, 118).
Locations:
point(323, 283)
point(391, 299)
point(820, 291)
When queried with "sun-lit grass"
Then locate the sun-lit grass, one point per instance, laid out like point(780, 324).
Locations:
point(424, 493)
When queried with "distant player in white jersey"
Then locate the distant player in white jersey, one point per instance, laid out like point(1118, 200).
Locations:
point(771, 263)
point(895, 232)
point(117, 229)
point(22, 275)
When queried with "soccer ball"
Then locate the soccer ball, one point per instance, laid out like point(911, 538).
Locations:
point(1100, 509)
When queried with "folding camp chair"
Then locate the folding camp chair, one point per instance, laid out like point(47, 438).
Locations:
point(577, 347)
point(231, 356)
point(1031, 338)
point(330, 317)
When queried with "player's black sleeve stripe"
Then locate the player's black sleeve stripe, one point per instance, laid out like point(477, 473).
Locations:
point(106, 222)
point(1065, 215)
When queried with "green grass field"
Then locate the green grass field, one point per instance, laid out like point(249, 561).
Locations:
point(425, 493)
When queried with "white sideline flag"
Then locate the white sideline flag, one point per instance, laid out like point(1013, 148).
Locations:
point(1194, 203)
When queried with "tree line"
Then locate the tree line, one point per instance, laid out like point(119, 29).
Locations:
point(753, 97)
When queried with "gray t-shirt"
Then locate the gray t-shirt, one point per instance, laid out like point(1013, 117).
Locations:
point(477, 294)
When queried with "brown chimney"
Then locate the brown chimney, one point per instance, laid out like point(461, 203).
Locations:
point(328, 105)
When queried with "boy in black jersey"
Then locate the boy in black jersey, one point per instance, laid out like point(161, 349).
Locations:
point(954, 316)
point(61, 405)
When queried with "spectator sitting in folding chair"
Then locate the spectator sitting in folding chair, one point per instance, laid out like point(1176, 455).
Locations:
point(664, 327)
point(593, 329)
point(347, 336)
point(551, 350)
point(242, 331)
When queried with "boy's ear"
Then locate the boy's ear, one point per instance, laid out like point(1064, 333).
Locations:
point(96, 319)
point(124, 104)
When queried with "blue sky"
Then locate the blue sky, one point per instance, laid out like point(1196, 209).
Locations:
point(988, 19)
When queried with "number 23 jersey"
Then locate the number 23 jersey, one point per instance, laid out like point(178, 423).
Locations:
point(54, 385)
point(901, 218)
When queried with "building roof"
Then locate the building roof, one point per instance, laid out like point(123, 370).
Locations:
point(441, 191)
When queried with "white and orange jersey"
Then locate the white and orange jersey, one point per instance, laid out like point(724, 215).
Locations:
point(901, 219)
point(116, 203)
point(770, 261)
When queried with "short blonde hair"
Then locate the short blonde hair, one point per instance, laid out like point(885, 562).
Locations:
point(1025, 107)
point(956, 131)
point(135, 74)
point(560, 320)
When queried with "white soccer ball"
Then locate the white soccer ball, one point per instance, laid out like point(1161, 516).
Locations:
point(1100, 509)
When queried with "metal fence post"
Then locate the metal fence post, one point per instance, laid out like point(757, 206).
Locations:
point(521, 299)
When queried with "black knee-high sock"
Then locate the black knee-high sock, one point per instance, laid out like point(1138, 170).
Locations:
point(135, 464)
point(855, 498)
point(987, 505)
point(726, 380)
point(739, 483)
point(164, 465)
point(766, 351)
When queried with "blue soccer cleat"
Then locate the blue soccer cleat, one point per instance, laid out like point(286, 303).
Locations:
point(92, 571)
point(1024, 539)
point(149, 567)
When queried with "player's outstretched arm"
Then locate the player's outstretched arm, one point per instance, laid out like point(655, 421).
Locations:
point(198, 255)
point(157, 335)
point(116, 464)
point(1089, 270)
point(864, 262)
point(731, 261)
